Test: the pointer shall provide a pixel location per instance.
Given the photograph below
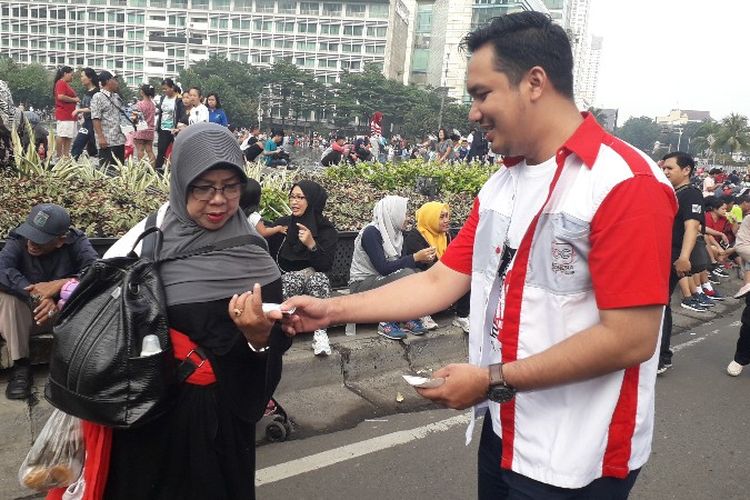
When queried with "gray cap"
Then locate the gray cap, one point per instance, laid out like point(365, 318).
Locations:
point(45, 223)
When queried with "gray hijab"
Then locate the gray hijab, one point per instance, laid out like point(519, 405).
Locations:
point(218, 274)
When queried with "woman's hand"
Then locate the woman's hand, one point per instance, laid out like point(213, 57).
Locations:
point(280, 229)
point(425, 255)
point(305, 236)
point(246, 311)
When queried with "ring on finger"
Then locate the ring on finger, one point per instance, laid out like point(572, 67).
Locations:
point(50, 313)
point(238, 312)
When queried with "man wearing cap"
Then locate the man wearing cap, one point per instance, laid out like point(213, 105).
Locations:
point(39, 256)
point(106, 113)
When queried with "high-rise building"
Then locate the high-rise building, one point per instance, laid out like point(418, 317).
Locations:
point(437, 58)
point(589, 75)
point(155, 38)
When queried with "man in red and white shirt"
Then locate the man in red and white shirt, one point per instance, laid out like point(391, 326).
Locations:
point(562, 349)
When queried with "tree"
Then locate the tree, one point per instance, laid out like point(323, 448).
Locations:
point(239, 86)
point(31, 85)
point(733, 135)
point(641, 132)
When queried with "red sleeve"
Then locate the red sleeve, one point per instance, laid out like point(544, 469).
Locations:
point(459, 254)
point(59, 89)
point(631, 239)
point(711, 223)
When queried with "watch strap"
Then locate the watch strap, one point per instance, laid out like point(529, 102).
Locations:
point(496, 374)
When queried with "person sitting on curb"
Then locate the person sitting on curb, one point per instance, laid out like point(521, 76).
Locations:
point(377, 259)
point(308, 249)
point(250, 204)
point(433, 224)
point(38, 258)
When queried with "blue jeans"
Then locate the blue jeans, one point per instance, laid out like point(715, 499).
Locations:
point(502, 484)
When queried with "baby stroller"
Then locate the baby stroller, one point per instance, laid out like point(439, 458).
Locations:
point(276, 420)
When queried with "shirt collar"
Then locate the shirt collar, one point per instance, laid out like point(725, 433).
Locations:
point(584, 142)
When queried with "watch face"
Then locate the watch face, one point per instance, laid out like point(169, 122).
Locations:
point(500, 394)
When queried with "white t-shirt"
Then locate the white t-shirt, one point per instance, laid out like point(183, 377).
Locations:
point(254, 218)
point(198, 114)
point(709, 184)
point(531, 193)
point(167, 113)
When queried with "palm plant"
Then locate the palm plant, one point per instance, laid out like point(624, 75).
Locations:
point(733, 135)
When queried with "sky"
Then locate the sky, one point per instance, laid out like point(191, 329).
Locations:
point(664, 54)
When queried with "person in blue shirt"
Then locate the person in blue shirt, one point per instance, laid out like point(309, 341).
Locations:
point(216, 113)
point(275, 156)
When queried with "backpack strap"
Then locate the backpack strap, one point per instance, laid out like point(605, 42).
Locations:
point(151, 242)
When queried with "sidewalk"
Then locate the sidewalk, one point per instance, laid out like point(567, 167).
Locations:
point(361, 379)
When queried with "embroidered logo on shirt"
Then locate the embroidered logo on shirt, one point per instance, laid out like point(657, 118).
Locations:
point(563, 258)
point(697, 209)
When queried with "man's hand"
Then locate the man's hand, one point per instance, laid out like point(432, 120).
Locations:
point(103, 144)
point(280, 229)
point(46, 289)
point(725, 239)
point(305, 236)
point(682, 266)
point(465, 385)
point(45, 311)
point(310, 314)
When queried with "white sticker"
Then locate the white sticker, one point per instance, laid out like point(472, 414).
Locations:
point(116, 292)
point(697, 209)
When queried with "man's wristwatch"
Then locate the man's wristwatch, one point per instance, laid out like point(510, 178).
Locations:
point(499, 391)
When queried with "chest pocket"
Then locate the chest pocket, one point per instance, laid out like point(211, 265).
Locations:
point(559, 255)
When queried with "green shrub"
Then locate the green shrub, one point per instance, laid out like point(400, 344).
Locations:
point(106, 204)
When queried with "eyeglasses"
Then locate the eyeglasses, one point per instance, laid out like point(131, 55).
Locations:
point(206, 193)
point(296, 197)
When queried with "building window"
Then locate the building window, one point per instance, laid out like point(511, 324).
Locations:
point(308, 27)
point(221, 4)
point(331, 9)
point(379, 11)
point(287, 7)
point(262, 25)
point(377, 32)
point(178, 4)
point(262, 42)
point(309, 8)
point(375, 49)
point(137, 3)
point(355, 10)
point(351, 48)
point(330, 29)
point(265, 6)
point(306, 46)
point(353, 30)
point(159, 4)
point(284, 27)
point(283, 44)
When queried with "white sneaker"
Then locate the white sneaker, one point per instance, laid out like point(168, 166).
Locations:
point(428, 323)
point(734, 369)
point(320, 344)
point(462, 323)
point(743, 291)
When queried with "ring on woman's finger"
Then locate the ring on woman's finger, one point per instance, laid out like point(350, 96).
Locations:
point(238, 312)
point(50, 314)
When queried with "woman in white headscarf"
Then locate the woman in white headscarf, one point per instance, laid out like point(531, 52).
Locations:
point(377, 259)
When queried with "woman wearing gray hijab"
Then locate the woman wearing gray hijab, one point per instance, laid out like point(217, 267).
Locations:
point(205, 446)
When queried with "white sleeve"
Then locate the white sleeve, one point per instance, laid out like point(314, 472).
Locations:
point(125, 244)
point(203, 114)
point(253, 219)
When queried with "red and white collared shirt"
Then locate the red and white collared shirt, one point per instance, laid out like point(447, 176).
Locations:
point(603, 216)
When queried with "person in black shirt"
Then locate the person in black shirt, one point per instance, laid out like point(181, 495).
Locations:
point(86, 140)
point(688, 249)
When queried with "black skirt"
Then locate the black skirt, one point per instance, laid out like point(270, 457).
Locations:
point(198, 450)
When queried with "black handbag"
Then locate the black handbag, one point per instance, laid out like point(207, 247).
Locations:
point(96, 372)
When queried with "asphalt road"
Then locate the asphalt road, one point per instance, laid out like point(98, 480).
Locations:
point(701, 447)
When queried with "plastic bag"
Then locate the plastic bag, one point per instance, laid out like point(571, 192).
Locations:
point(56, 457)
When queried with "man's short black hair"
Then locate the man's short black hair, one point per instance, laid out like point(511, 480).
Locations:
point(523, 40)
point(728, 199)
point(744, 198)
point(684, 160)
point(277, 131)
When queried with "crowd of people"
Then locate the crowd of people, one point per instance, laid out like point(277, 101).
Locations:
point(558, 341)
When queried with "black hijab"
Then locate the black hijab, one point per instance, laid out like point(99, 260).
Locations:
point(313, 219)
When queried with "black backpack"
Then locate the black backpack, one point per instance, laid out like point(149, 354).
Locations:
point(96, 371)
